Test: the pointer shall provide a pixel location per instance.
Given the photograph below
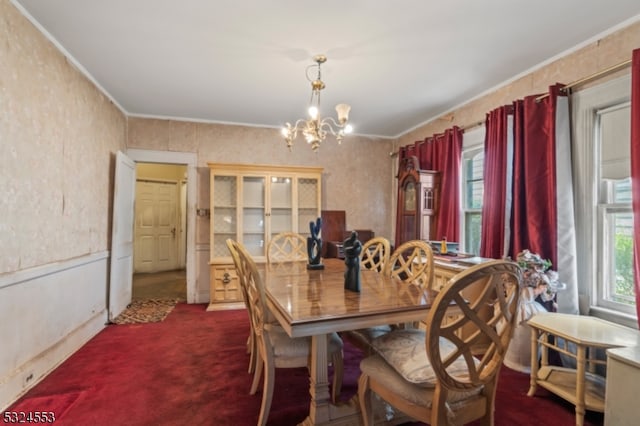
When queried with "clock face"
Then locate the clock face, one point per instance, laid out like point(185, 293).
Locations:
point(410, 196)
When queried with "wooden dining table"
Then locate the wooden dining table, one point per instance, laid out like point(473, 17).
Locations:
point(308, 302)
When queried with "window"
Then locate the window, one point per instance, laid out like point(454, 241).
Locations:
point(601, 164)
point(472, 192)
point(614, 218)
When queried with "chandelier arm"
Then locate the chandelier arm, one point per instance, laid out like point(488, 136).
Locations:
point(329, 123)
point(296, 127)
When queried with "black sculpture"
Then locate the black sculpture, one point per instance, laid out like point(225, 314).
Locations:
point(352, 249)
point(314, 245)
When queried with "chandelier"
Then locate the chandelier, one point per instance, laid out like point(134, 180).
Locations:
point(315, 129)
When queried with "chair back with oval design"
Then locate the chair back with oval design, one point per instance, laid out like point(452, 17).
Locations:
point(375, 254)
point(412, 262)
point(287, 247)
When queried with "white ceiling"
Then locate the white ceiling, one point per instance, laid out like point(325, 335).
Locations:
point(397, 63)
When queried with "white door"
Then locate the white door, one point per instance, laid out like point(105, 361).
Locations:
point(122, 235)
point(156, 226)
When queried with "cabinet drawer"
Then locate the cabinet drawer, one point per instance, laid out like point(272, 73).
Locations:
point(224, 285)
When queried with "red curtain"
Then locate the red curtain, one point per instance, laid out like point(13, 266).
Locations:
point(635, 170)
point(531, 213)
point(534, 221)
point(443, 152)
point(495, 180)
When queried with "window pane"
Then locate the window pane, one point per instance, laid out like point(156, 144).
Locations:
point(623, 259)
point(619, 249)
point(474, 195)
point(472, 226)
point(474, 167)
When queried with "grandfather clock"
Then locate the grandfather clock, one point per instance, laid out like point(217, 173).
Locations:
point(418, 196)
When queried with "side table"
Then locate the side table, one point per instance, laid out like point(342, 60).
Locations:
point(580, 386)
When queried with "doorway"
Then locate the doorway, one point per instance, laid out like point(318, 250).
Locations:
point(186, 220)
point(160, 232)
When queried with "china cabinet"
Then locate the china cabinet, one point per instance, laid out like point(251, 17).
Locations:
point(251, 203)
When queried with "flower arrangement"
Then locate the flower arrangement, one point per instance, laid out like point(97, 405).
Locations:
point(537, 274)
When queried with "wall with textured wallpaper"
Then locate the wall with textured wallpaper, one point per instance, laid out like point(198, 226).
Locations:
point(59, 134)
point(58, 138)
point(357, 174)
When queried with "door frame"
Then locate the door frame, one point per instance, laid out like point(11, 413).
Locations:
point(190, 160)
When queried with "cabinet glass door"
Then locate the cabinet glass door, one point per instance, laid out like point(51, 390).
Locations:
point(253, 214)
point(307, 204)
point(224, 213)
point(281, 204)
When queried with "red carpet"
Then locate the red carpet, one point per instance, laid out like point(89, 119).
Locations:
point(191, 369)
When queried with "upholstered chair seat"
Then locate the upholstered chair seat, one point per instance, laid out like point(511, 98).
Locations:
point(420, 394)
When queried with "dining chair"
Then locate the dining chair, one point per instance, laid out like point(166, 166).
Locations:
point(412, 262)
point(287, 247)
point(251, 341)
point(275, 348)
point(432, 375)
point(375, 256)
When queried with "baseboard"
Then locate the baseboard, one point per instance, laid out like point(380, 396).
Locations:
point(19, 381)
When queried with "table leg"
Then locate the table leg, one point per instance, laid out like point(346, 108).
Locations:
point(321, 410)
point(581, 362)
point(534, 362)
point(319, 382)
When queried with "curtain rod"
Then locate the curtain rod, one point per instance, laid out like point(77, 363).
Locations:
point(583, 80)
point(594, 76)
point(463, 129)
point(472, 125)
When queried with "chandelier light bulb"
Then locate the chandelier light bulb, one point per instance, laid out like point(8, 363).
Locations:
point(313, 112)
